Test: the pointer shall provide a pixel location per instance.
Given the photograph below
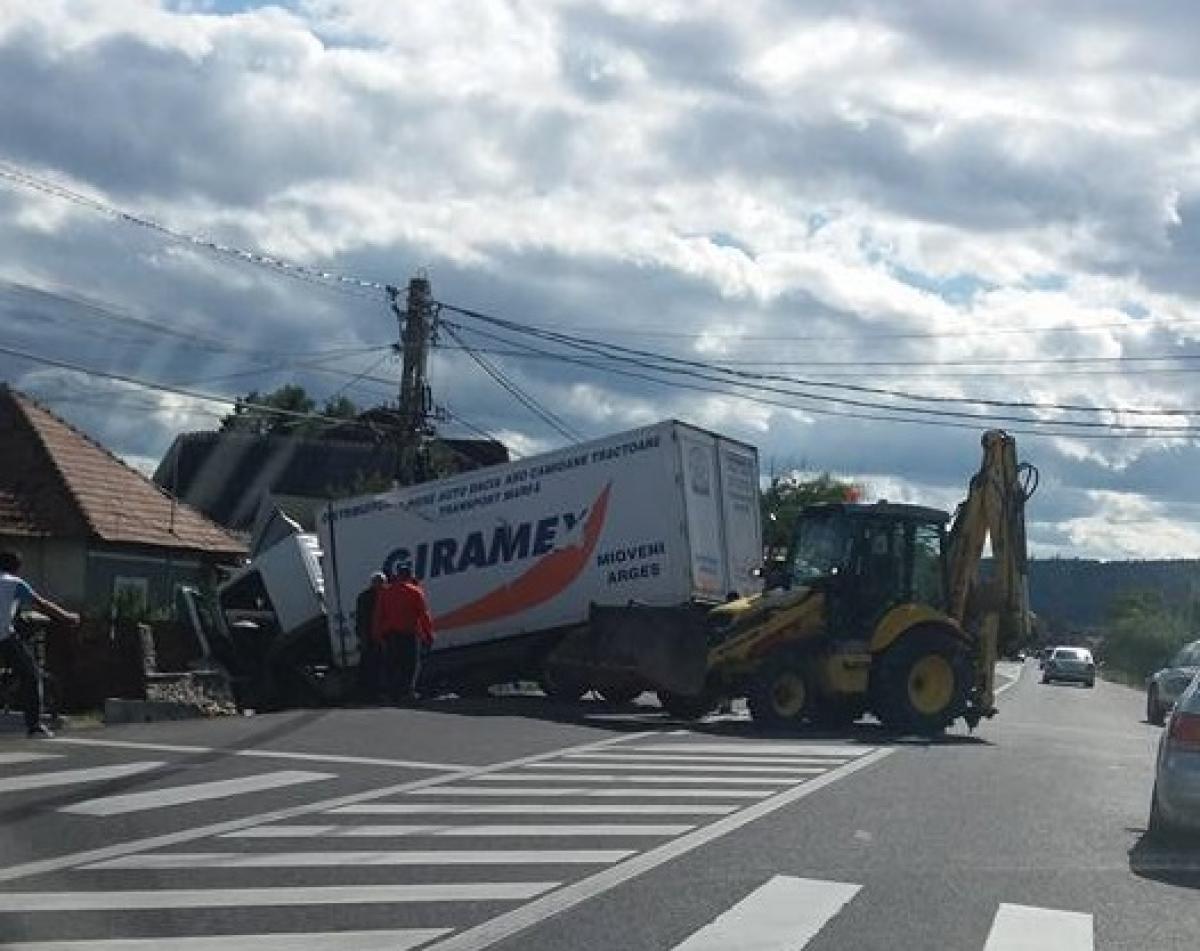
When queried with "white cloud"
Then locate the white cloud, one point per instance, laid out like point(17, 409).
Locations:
point(855, 181)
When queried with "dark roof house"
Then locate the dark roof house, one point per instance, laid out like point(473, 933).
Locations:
point(229, 475)
point(89, 526)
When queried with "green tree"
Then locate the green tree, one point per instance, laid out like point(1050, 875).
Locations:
point(783, 499)
point(1144, 631)
point(253, 412)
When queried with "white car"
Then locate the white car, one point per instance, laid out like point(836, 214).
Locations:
point(1070, 664)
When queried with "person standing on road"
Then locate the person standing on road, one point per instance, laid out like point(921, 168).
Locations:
point(15, 593)
point(403, 628)
point(368, 648)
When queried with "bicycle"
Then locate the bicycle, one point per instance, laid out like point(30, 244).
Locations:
point(33, 633)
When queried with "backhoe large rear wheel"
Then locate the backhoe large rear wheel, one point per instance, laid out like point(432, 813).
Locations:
point(920, 683)
point(781, 692)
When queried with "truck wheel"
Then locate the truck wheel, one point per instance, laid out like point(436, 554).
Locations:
point(685, 707)
point(781, 692)
point(920, 683)
point(558, 685)
point(1154, 710)
point(474, 689)
point(620, 692)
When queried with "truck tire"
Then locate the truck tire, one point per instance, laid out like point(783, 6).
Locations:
point(561, 686)
point(781, 691)
point(686, 707)
point(1154, 710)
point(620, 692)
point(920, 683)
point(473, 689)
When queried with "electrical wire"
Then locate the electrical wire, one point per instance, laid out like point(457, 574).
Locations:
point(670, 364)
point(323, 277)
point(555, 422)
point(1115, 431)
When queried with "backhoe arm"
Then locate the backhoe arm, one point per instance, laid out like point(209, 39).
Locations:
point(998, 611)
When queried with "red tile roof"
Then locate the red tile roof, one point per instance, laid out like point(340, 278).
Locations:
point(72, 482)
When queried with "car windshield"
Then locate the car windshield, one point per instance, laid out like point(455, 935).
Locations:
point(1069, 653)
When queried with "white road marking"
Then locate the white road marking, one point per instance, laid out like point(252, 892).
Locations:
point(520, 831)
point(688, 767)
point(12, 759)
point(538, 809)
point(134, 846)
point(759, 748)
point(782, 915)
point(402, 939)
point(69, 777)
point(194, 860)
point(647, 778)
point(264, 754)
point(1024, 928)
point(194, 792)
point(22, 902)
point(562, 899)
point(667, 759)
point(622, 793)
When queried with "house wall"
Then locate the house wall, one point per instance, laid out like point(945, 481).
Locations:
point(55, 567)
point(159, 572)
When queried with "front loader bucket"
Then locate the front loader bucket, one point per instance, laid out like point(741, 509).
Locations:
point(663, 648)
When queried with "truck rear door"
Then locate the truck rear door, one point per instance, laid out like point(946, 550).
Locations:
point(704, 516)
point(742, 519)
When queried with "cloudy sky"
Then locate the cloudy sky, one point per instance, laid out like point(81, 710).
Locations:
point(925, 197)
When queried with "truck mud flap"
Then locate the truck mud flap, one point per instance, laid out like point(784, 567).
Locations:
point(663, 648)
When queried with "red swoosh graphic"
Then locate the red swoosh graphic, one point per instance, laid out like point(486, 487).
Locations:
point(541, 582)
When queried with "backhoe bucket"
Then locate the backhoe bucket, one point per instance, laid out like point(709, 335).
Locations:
point(662, 648)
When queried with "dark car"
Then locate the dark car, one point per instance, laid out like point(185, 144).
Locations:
point(1070, 665)
point(1166, 686)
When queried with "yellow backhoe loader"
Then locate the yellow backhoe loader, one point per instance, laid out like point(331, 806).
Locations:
point(883, 611)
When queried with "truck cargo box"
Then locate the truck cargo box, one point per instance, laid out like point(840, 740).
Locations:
point(664, 515)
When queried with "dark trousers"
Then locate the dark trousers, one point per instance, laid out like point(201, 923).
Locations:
point(399, 666)
point(14, 653)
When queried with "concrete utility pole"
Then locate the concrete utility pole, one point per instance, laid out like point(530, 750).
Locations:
point(416, 321)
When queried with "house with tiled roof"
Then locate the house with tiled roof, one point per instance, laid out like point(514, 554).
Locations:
point(88, 526)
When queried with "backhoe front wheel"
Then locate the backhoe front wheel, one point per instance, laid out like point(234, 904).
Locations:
point(781, 692)
point(921, 682)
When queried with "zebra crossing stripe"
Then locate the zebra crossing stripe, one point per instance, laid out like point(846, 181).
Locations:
point(174, 898)
point(538, 809)
point(719, 764)
point(1024, 928)
point(646, 778)
point(195, 860)
point(401, 939)
point(618, 830)
point(70, 777)
point(759, 749)
point(620, 793)
point(195, 792)
point(667, 759)
point(14, 759)
point(782, 915)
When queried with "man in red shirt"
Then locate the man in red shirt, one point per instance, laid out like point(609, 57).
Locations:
point(402, 628)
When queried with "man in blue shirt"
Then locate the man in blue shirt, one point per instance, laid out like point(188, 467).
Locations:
point(15, 594)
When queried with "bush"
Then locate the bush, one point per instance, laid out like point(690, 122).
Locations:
point(1144, 632)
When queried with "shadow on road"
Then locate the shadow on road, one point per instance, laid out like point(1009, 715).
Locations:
point(632, 717)
point(1171, 858)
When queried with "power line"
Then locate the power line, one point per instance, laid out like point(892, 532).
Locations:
point(550, 419)
point(1131, 324)
point(322, 276)
point(1113, 431)
point(167, 388)
point(690, 367)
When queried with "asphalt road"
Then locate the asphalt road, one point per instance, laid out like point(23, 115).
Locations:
point(515, 823)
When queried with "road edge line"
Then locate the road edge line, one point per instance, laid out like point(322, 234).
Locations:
point(532, 913)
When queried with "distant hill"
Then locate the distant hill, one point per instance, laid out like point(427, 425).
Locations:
point(1076, 593)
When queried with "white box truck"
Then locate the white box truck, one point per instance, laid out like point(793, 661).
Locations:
point(515, 557)
point(512, 557)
